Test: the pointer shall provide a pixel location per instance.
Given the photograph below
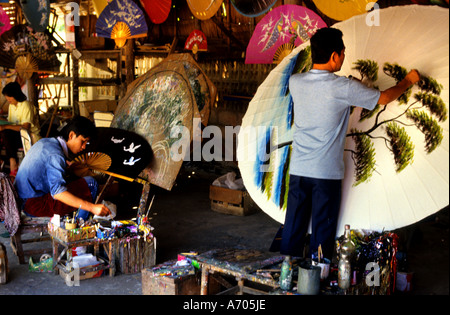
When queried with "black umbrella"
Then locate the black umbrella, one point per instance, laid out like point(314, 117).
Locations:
point(117, 152)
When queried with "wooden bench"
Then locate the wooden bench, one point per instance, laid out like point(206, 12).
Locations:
point(31, 225)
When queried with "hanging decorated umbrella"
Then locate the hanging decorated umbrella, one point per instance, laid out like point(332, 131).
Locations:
point(252, 8)
point(342, 10)
point(99, 6)
point(161, 106)
point(157, 10)
point(204, 90)
point(121, 20)
point(196, 41)
point(117, 152)
point(280, 31)
point(5, 24)
point(36, 13)
point(204, 9)
point(27, 52)
point(393, 195)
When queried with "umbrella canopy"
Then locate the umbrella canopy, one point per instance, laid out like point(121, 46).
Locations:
point(280, 31)
point(161, 105)
point(36, 13)
point(121, 20)
point(27, 51)
point(414, 37)
point(390, 198)
point(342, 10)
point(157, 10)
point(204, 9)
point(196, 41)
point(99, 6)
point(114, 151)
point(252, 8)
point(5, 24)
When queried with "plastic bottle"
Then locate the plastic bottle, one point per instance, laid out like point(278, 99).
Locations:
point(344, 266)
point(286, 274)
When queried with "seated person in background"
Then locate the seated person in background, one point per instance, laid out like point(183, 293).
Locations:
point(41, 179)
point(21, 114)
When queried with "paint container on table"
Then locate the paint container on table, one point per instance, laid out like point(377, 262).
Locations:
point(324, 265)
point(308, 279)
point(286, 274)
point(71, 226)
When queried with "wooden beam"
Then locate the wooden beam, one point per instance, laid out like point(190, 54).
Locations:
point(228, 33)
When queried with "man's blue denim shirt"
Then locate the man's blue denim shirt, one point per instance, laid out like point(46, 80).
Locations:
point(43, 169)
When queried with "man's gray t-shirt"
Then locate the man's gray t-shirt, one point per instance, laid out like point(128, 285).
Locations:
point(322, 102)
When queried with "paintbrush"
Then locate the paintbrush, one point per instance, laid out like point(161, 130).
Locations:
point(149, 207)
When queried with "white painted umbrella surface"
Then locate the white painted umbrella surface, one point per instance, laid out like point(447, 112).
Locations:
point(414, 37)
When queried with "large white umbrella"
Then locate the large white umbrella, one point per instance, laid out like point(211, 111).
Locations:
point(410, 36)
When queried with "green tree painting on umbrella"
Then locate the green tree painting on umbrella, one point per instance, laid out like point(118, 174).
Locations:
point(422, 112)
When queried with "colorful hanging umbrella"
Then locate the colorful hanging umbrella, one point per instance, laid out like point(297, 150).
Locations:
point(204, 90)
point(280, 31)
point(99, 6)
point(342, 10)
point(5, 24)
point(157, 10)
point(121, 20)
point(27, 52)
point(390, 198)
point(196, 41)
point(252, 8)
point(36, 13)
point(161, 105)
point(204, 9)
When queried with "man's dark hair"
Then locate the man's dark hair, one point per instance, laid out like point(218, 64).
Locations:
point(13, 89)
point(82, 126)
point(324, 42)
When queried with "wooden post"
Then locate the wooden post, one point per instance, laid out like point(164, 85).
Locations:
point(3, 264)
point(76, 83)
point(143, 200)
point(32, 90)
point(129, 61)
point(204, 283)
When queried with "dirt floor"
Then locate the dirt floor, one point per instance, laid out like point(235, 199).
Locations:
point(183, 221)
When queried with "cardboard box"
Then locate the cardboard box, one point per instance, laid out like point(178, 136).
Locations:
point(71, 235)
point(89, 107)
point(229, 201)
point(88, 272)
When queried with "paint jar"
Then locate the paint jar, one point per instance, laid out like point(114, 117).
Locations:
point(308, 279)
point(71, 226)
point(324, 265)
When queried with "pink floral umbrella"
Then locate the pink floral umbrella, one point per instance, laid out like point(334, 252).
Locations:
point(280, 31)
point(5, 25)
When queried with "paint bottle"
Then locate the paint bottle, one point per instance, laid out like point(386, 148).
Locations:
point(344, 266)
point(286, 274)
